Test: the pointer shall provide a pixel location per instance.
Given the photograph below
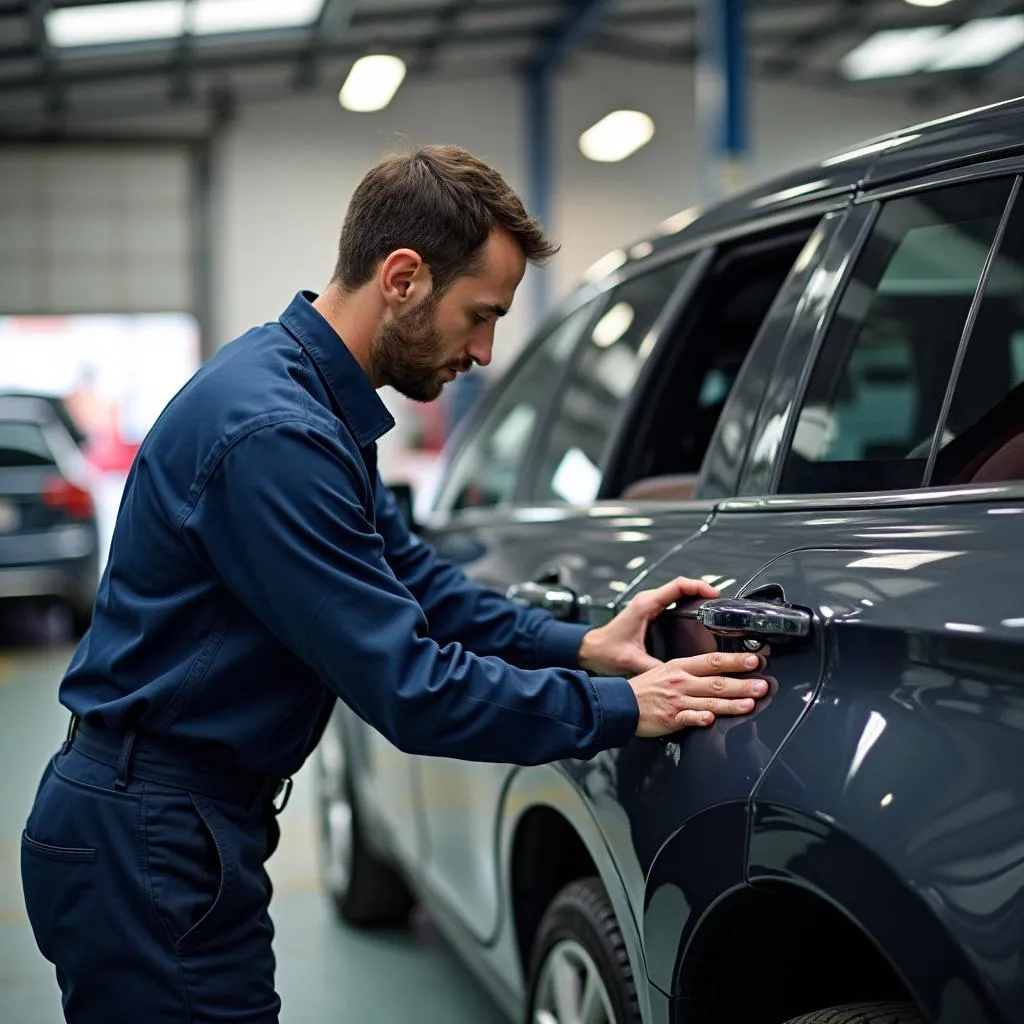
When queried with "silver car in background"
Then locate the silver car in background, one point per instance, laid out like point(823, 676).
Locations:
point(49, 542)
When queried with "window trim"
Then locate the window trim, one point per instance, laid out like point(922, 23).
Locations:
point(874, 202)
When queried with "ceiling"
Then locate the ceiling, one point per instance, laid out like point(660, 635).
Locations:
point(48, 91)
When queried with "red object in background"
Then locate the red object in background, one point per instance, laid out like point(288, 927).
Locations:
point(109, 454)
point(61, 493)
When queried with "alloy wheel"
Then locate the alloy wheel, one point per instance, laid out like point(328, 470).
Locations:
point(570, 989)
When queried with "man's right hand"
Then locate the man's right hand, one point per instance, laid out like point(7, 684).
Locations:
point(693, 691)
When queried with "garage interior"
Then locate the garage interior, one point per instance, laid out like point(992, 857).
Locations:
point(164, 188)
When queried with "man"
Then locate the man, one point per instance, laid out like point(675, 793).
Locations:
point(259, 570)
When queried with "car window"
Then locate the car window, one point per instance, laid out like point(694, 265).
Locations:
point(485, 472)
point(983, 434)
point(603, 375)
point(23, 443)
point(877, 389)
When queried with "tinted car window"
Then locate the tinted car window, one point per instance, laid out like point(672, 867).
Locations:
point(877, 389)
point(983, 435)
point(23, 444)
point(602, 377)
point(486, 470)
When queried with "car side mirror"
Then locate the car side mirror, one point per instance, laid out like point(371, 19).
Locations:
point(405, 498)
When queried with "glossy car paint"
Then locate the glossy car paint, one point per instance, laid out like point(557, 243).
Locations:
point(882, 772)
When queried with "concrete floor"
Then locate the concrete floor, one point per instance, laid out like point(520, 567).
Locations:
point(326, 973)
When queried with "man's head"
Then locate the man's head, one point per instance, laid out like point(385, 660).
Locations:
point(436, 243)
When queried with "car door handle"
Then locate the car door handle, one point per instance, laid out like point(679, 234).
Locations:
point(558, 601)
point(764, 621)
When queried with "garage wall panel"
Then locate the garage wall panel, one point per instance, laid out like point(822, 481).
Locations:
point(95, 229)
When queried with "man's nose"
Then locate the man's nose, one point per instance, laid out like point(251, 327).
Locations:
point(480, 351)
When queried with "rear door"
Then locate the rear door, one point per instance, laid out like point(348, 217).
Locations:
point(837, 526)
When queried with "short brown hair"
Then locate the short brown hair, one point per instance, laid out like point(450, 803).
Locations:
point(440, 201)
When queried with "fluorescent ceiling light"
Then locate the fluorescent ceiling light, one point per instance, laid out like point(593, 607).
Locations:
point(978, 43)
point(935, 48)
point(899, 51)
point(132, 22)
point(209, 17)
point(616, 136)
point(928, 3)
point(372, 82)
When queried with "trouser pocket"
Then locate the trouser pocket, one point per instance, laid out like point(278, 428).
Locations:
point(190, 866)
point(56, 881)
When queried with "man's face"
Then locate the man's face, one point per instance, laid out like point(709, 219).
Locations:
point(422, 350)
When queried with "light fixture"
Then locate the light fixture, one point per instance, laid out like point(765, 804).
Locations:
point(616, 136)
point(372, 82)
point(928, 3)
point(897, 52)
point(900, 51)
point(979, 43)
point(146, 20)
point(212, 17)
point(131, 22)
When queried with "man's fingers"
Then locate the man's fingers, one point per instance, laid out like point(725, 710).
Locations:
point(726, 687)
point(718, 662)
point(675, 590)
point(717, 706)
point(690, 719)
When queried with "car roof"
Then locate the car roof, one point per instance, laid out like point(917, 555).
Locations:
point(19, 407)
point(973, 135)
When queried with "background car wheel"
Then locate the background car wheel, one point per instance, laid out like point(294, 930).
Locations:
point(864, 1013)
point(580, 972)
point(365, 891)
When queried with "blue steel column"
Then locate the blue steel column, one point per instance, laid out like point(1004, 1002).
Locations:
point(541, 77)
point(721, 96)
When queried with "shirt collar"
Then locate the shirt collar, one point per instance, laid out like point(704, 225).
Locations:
point(366, 415)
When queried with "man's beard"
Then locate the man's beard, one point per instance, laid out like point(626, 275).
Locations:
point(406, 354)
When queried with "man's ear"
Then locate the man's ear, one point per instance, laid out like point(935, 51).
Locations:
point(404, 279)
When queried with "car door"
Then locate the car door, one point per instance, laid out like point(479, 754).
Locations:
point(836, 531)
point(501, 540)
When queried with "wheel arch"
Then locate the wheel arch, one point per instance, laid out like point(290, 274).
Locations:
point(538, 803)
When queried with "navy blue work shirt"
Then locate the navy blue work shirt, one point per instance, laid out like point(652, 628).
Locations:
point(259, 570)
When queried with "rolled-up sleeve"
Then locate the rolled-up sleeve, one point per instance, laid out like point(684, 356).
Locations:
point(287, 521)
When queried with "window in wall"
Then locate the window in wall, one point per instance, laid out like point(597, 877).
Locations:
point(486, 470)
point(877, 389)
point(599, 383)
point(983, 435)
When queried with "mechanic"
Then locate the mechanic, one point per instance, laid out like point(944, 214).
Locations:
point(260, 570)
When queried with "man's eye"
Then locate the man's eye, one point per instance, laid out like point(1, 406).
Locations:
point(479, 319)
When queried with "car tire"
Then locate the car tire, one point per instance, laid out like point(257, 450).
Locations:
point(365, 891)
point(864, 1013)
point(579, 938)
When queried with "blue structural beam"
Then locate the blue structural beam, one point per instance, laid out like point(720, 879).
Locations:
point(722, 95)
point(541, 76)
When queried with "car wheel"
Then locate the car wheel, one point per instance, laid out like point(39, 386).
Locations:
point(365, 891)
point(864, 1013)
point(580, 970)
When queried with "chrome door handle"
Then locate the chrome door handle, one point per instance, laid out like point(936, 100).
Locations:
point(764, 621)
point(558, 601)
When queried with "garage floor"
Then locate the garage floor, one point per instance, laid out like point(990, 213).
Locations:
point(325, 973)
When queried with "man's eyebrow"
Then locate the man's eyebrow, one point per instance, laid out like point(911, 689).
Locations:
point(493, 307)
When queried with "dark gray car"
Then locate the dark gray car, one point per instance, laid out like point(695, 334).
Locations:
point(812, 396)
point(49, 544)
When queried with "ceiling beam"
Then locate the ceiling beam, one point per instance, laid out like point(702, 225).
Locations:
point(426, 58)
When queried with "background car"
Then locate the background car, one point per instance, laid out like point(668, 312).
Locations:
point(810, 397)
point(49, 546)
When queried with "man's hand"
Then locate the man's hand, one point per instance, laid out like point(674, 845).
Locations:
point(619, 648)
point(692, 692)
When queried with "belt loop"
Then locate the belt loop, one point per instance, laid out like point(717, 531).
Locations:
point(123, 761)
point(69, 739)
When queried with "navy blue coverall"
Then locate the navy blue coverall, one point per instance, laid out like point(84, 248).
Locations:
point(259, 570)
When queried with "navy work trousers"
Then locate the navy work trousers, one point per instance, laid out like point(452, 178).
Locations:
point(151, 901)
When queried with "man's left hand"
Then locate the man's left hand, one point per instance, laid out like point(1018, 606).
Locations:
point(619, 648)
